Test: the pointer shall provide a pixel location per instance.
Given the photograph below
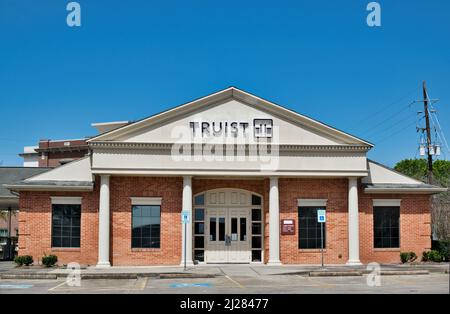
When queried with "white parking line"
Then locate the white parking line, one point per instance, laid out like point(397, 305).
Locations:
point(55, 287)
point(234, 281)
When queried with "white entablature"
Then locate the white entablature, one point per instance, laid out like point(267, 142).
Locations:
point(234, 125)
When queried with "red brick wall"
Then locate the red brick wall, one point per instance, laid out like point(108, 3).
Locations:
point(35, 221)
point(335, 190)
point(52, 159)
point(170, 190)
point(415, 227)
point(35, 227)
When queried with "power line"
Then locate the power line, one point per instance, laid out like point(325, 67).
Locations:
point(441, 133)
point(395, 133)
point(390, 127)
point(375, 127)
point(371, 116)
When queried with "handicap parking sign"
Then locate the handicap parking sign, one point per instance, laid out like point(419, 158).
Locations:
point(185, 217)
point(321, 216)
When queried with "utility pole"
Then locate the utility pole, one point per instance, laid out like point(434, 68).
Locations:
point(428, 130)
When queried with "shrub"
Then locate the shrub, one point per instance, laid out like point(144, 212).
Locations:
point(432, 256)
point(408, 257)
point(443, 247)
point(26, 260)
point(49, 260)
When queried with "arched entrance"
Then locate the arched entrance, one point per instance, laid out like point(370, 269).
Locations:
point(228, 226)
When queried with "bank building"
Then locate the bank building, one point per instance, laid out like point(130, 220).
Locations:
point(250, 175)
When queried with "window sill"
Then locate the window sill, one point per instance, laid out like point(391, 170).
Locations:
point(311, 250)
point(387, 250)
point(65, 249)
point(145, 249)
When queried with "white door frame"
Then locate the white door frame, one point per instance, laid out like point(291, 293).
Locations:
point(228, 246)
point(221, 203)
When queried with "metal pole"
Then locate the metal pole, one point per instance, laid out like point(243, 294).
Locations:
point(321, 239)
point(9, 240)
point(185, 239)
point(428, 129)
point(9, 223)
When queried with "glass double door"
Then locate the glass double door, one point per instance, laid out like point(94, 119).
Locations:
point(228, 235)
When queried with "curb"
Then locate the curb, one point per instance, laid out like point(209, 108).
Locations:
point(29, 276)
point(46, 276)
point(404, 272)
point(185, 276)
point(335, 274)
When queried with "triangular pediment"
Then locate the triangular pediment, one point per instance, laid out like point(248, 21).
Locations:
point(233, 112)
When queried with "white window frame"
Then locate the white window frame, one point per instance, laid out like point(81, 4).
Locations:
point(387, 202)
point(66, 200)
point(312, 202)
point(146, 201)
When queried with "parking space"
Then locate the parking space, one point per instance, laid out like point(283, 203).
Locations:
point(434, 283)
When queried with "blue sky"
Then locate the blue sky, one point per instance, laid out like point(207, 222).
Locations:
point(131, 59)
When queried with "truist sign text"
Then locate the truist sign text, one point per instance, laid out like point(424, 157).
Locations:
point(261, 128)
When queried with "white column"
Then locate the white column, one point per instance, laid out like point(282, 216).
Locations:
point(187, 207)
point(353, 223)
point(103, 223)
point(274, 223)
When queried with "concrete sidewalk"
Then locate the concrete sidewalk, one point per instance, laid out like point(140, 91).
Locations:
point(8, 271)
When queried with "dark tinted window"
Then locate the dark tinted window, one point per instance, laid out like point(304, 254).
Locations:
point(146, 226)
point(309, 233)
point(386, 227)
point(199, 199)
point(256, 214)
point(256, 200)
point(66, 224)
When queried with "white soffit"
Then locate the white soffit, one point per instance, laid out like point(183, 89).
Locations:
point(312, 202)
point(78, 170)
point(379, 174)
point(386, 202)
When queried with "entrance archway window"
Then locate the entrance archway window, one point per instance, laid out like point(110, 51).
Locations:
point(199, 199)
point(199, 228)
point(256, 229)
point(256, 200)
point(199, 232)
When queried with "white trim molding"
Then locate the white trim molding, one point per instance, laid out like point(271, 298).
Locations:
point(146, 201)
point(312, 202)
point(386, 202)
point(66, 200)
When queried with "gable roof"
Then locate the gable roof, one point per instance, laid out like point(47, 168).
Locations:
point(382, 179)
point(231, 92)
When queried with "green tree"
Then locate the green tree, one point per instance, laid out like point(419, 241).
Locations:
point(414, 168)
point(441, 172)
point(440, 211)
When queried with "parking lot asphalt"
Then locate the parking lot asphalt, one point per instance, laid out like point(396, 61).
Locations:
point(271, 284)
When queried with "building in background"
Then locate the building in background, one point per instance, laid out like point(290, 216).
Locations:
point(54, 153)
point(9, 204)
point(30, 156)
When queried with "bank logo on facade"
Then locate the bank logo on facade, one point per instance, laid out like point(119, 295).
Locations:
point(263, 128)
